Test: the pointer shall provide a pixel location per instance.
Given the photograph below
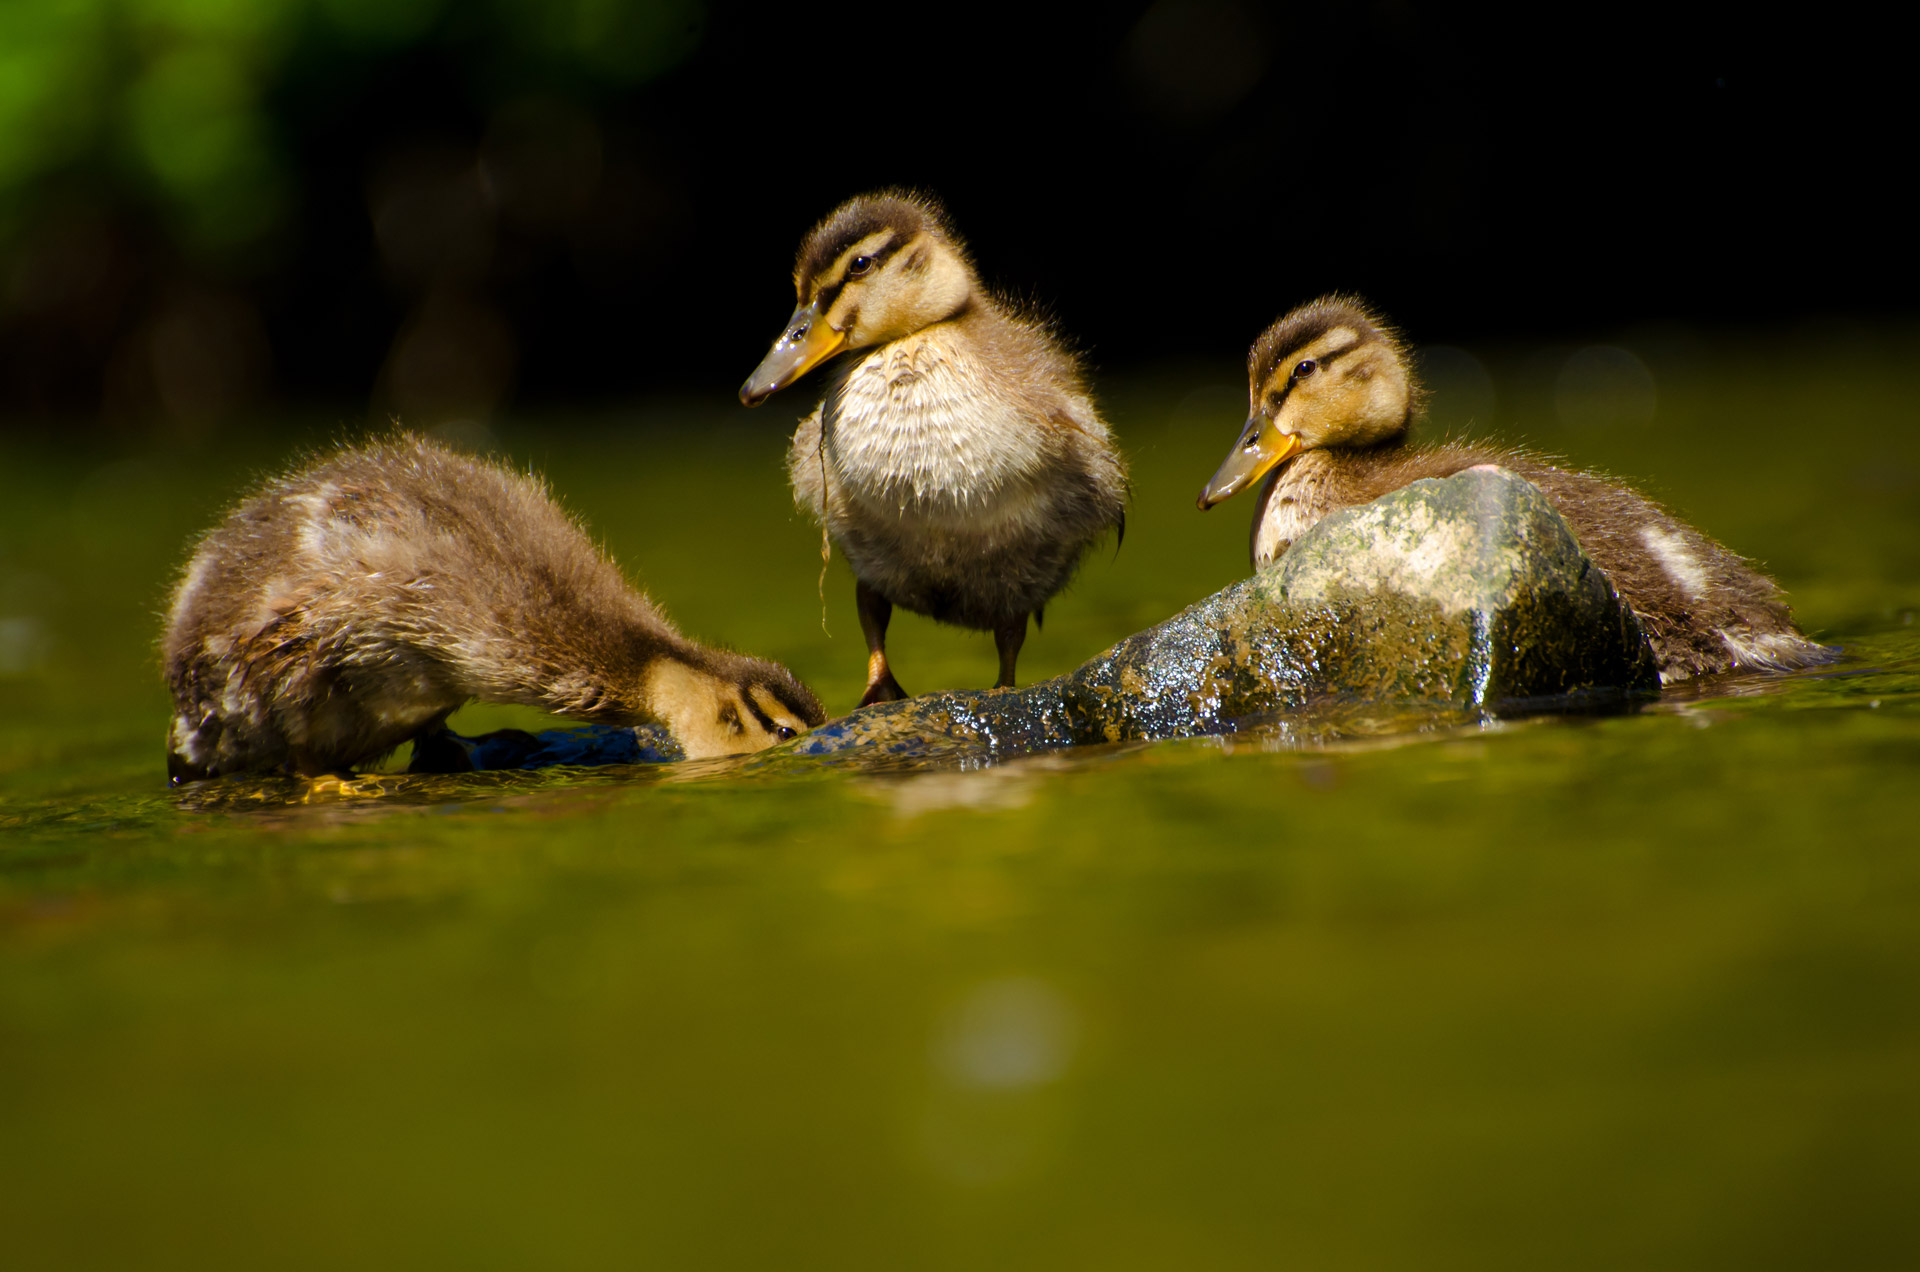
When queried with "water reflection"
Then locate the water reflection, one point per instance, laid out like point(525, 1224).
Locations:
point(1002, 786)
point(945, 781)
point(1874, 671)
point(990, 1117)
point(26, 637)
point(23, 645)
point(913, 786)
point(1005, 1034)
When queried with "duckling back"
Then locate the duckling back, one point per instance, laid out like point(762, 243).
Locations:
point(1705, 609)
point(1331, 396)
point(358, 601)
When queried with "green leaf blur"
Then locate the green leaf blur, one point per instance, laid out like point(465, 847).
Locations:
point(173, 102)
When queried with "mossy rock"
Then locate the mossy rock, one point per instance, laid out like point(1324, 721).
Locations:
point(1466, 594)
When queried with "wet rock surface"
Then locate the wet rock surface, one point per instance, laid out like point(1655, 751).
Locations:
point(1459, 597)
point(1467, 594)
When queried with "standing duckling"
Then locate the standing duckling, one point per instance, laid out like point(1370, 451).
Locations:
point(1332, 398)
point(356, 603)
point(957, 461)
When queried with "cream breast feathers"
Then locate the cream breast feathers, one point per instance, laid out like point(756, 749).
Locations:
point(919, 427)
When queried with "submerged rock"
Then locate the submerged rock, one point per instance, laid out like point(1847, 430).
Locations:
point(1464, 595)
point(448, 752)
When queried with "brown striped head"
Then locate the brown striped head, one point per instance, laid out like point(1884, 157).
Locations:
point(1329, 374)
point(776, 700)
point(879, 267)
point(719, 703)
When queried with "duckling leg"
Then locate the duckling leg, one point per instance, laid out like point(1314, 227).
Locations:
point(437, 749)
point(1007, 638)
point(876, 611)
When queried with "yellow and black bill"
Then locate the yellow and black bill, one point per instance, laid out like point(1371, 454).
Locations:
point(1262, 447)
point(807, 342)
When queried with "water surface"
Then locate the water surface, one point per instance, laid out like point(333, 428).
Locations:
point(1635, 990)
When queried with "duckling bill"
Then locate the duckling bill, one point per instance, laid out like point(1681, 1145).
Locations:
point(356, 603)
point(1331, 397)
point(956, 459)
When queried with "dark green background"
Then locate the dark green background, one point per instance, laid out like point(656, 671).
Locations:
point(1622, 992)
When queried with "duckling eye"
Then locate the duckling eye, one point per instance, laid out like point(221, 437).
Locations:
point(1305, 369)
point(786, 733)
point(859, 265)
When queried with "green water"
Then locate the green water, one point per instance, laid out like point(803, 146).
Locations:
point(1634, 991)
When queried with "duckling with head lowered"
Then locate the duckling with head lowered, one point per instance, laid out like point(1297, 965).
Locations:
point(356, 603)
point(1331, 399)
point(956, 459)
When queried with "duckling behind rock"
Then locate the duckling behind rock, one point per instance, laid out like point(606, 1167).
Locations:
point(958, 461)
point(1332, 397)
point(359, 601)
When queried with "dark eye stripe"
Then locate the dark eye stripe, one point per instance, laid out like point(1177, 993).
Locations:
point(1288, 366)
point(801, 710)
point(879, 257)
point(766, 721)
point(827, 293)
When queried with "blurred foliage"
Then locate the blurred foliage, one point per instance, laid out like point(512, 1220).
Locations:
point(174, 103)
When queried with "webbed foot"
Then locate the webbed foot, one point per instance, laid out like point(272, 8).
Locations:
point(883, 689)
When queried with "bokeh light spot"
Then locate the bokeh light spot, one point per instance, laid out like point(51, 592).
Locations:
point(51, 68)
point(1460, 390)
point(1604, 386)
point(202, 136)
point(1196, 58)
point(382, 23)
point(1016, 1032)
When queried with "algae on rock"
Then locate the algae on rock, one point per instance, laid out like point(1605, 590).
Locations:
point(1466, 593)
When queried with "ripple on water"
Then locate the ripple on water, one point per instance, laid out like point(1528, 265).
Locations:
point(1880, 674)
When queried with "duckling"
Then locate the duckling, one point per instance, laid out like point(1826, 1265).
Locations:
point(1331, 399)
point(355, 603)
point(957, 459)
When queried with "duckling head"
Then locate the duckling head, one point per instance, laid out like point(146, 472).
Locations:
point(881, 266)
point(1329, 374)
point(727, 704)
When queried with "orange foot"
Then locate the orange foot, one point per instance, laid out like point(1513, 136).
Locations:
point(883, 689)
